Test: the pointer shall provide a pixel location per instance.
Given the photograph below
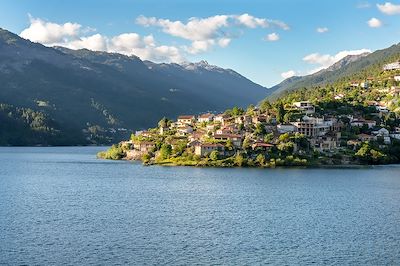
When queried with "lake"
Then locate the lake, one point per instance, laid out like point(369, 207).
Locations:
point(63, 206)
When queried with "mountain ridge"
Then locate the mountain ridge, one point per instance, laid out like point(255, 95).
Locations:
point(94, 93)
point(357, 66)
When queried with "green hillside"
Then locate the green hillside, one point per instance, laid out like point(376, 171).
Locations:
point(362, 68)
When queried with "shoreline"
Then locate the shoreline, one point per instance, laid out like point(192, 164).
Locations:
point(322, 166)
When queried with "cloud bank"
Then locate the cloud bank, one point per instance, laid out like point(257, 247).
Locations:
point(202, 33)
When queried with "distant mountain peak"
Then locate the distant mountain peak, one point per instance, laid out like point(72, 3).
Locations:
point(346, 60)
point(202, 65)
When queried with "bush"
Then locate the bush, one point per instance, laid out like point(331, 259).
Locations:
point(116, 152)
point(214, 155)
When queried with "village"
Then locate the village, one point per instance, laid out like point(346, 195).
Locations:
point(282, 133)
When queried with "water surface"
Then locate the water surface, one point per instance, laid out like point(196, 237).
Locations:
point(63, 206)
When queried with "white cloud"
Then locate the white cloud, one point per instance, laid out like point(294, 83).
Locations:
point(326, 60)
point(374, 23)
point(72, 36)
point(48, 32)
point(250, 21)
point(254, 22)
point(273, 37)
point(95, 42)
point(224, 42)
point(288, 74)
point(322, 29)
point(195, 30)
point(205, 33)
point(389, 8)
point(363, 5)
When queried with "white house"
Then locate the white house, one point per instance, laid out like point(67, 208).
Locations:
point(286, 128)
point(361, 122)
point(205, 118)
point(186, 119)
point(383, 132)
point(392, 66)
point(382, 109)
point(305, 106)
point(205, 149)
point(184, 130)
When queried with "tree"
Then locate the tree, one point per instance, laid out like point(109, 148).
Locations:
point(146, 158)
point(265, 106)
point(369, 154)
point(236, 111)
point(260, 159)
point(250, 110)
point(246, 143)
point(260, 130)
point(165, 151)
point(239, 160)
point(280, 112)
point(229, 145)
point(163, 123)
point(269, 137)
point(180, 147)
point(214, 155)
point(284, 137)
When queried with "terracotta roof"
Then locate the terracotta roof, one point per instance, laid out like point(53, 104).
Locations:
point(186, 117)
point(263, 144)
point(227, 136)
point(145, 143)
point(211, 145)
point(206, 115)
point(365, 136)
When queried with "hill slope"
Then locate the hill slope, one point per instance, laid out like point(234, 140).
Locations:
point(93, 94)
point(355, 66)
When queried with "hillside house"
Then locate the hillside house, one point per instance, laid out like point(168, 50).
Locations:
point(392, 66)
point(223, 119)
point(186, 119)
point(260, 119)
point(144, 146)
point(395, 135)
point(235, 138)
point(382, 132)
point(223, 131)
point(325, 143)
point(366, 137)
point(382, 109)
point(362, 122)
point(244, 119)
point(304, 106)
point(262, 146)
point(339, 96)
point(205, 149)
point(364, 84)
point(205, 118)
point(354, 84)
point(184, 130)
point(198, 135)
point(286, 128)
point(313, 126)
point(163, 130)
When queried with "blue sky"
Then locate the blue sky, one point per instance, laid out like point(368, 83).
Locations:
point(264, 40)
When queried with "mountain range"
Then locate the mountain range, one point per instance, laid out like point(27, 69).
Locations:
point(58, 96)
point(98, 97)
